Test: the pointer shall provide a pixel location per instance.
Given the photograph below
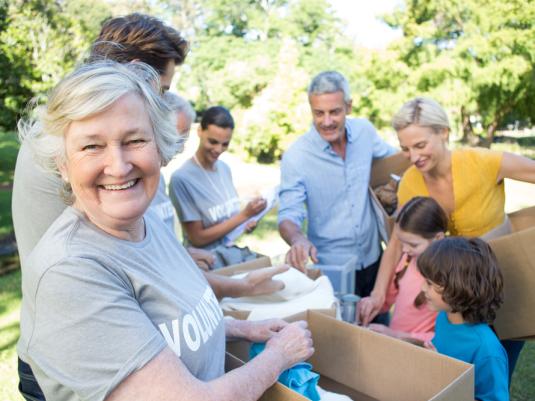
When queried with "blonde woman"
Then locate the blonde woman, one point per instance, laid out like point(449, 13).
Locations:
point(468, 183)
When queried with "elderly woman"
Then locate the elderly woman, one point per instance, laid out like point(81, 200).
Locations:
point(468, 183)
point(113, 306)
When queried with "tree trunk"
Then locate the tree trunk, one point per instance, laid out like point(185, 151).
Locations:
point(491, 130)
point(468, 138)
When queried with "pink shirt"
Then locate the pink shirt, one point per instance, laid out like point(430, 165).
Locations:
point(420, 322)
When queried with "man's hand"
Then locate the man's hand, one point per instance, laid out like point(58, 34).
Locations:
point(368, 308)
point(203, 259)
point(299, 253)
point(260, 282)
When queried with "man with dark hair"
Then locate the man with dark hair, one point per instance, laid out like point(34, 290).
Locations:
point(143, 38)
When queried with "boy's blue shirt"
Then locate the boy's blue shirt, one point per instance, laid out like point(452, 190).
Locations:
point(476, 344)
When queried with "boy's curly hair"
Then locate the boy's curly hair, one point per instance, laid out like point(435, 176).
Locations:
point(467, 270)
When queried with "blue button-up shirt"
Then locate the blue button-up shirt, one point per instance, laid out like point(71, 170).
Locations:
point(341, 222)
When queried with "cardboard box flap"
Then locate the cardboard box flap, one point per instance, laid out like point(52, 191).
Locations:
point(516, 258)
point(523, 219)
point(382, 168)
point(380, 175)
point(369, 373)
point(258, 263)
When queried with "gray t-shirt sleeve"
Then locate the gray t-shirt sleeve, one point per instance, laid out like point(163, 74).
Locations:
point(36, 202)
point(79, 298)
point(182, 200)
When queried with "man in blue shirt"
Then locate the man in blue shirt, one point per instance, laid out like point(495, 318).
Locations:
point(324, 179)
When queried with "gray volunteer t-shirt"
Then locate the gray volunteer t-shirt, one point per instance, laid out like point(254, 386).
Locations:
point(96, 308)
point(37, 202)
point(201, 195)
point(162, 206)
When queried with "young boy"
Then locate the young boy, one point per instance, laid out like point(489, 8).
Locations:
point(464, 284)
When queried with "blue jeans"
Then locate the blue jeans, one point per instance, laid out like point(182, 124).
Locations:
point(513, 348)
point(28, 386)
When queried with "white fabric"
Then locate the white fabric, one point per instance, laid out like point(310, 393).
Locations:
point(295, 282)
point(328, 396)
point(321, 296)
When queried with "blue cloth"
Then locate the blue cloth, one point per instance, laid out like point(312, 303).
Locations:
point(299, 378)
point(476, 344)
point(341, 222)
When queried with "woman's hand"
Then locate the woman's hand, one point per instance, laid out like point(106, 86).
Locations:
point(293, 344)
point(260, 281)
point(203, 259)
point(368, 308)
point(262, 330)
point(250, 226)
point(254, 207)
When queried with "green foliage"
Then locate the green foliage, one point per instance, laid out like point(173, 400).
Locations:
point(41, 41)
point(256, 58)
point(479, 61)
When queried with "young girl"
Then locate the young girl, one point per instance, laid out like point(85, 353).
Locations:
point(463, 283)
point(420, 222)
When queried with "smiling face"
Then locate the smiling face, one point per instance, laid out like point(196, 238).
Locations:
point(329, 112)
point(113, 165)
point(433, 296)
point(213, 142)
point(423, 147)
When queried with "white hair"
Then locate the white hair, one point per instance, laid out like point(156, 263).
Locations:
point(330, 82)
point(180, 105)
point(87, 91)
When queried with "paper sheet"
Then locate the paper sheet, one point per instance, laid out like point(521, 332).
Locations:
point(271, 196)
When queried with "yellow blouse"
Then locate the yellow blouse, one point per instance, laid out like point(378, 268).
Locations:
point(479, 200)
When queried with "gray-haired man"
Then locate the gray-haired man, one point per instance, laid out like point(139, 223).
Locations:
point(328, 171)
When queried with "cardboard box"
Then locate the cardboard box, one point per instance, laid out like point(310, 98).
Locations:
point(368, 366)
point(380, 175)
point(277, 392)
point(516, 257)
point(515, 253)
point(259, 263)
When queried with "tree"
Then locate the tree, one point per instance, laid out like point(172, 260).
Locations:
point(256, 58)
point(477, 59)
point(40, 42)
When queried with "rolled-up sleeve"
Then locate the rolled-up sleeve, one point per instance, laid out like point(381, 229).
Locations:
point(292, 193)
point(381, 149)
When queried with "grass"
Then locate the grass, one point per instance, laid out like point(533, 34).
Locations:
point(265, 239)
point(10, 295)
point(8, 155)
